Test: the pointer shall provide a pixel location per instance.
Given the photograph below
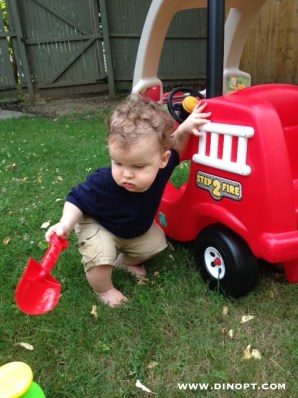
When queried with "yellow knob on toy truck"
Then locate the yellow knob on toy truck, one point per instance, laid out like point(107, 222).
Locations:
point(189, 103)
point(187, 106)
point(16, 380)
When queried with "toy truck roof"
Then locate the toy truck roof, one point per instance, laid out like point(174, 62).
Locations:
point(156, 25)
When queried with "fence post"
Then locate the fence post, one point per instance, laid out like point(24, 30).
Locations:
point(19, 46)
point(107, 47)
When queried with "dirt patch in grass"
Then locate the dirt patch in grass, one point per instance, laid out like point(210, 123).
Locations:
point(61, 106)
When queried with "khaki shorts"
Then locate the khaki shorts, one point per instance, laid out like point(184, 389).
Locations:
point(98, 246)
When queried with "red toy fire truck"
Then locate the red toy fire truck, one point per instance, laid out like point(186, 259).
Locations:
point(240, 202)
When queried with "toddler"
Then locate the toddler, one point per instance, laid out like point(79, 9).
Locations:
point(113, 210)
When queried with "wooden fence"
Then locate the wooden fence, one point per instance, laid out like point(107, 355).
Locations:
point(75, 46)
point(271, 53)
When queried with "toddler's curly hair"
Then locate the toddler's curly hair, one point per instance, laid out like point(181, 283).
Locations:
point(138, 118)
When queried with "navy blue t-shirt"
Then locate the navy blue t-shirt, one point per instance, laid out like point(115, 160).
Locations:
point(125, 214)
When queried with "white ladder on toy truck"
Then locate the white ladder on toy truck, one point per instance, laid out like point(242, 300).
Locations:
point(225, 163)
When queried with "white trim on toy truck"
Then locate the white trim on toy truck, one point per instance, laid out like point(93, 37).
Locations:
point(229, 131)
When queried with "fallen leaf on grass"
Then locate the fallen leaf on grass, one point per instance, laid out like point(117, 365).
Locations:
point(248, 353)
point(256, 354)
point(6, 240)
point(247, 318)
point(11, 166)
point(23, 179)
point(27, 346)
point(152, 364)
point(142, 280)
point(231, 333)
point(94, 311)
point(271, 294)
point(142, 387)
point(225, 310)
point(45, 225)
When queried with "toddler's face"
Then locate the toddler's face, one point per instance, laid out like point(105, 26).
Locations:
point(135, 168)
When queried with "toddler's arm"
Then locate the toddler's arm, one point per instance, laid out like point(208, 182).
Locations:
point(71, 215)
point(190, 126)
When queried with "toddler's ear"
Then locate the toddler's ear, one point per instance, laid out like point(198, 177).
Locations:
point(164, 159)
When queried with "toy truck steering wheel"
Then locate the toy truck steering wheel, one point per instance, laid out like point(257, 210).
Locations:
point(174, 101)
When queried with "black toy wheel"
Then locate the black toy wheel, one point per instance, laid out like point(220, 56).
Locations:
point(225, 261)
point(174, 104)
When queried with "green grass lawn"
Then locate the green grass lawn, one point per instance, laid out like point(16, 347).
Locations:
point(173, 329)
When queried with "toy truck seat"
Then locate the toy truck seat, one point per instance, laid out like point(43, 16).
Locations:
point(243, 175)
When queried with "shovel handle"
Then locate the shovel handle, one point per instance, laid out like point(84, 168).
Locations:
point(50, 258)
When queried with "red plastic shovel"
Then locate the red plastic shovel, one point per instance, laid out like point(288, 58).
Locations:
point(37, 291)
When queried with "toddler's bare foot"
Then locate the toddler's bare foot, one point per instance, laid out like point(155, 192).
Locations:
point(135, 270)
point(111, 297)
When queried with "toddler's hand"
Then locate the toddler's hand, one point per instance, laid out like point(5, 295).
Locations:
point(60, 229)
point(196, 119)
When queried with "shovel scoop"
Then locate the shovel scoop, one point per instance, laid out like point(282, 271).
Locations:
point(37, 291)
